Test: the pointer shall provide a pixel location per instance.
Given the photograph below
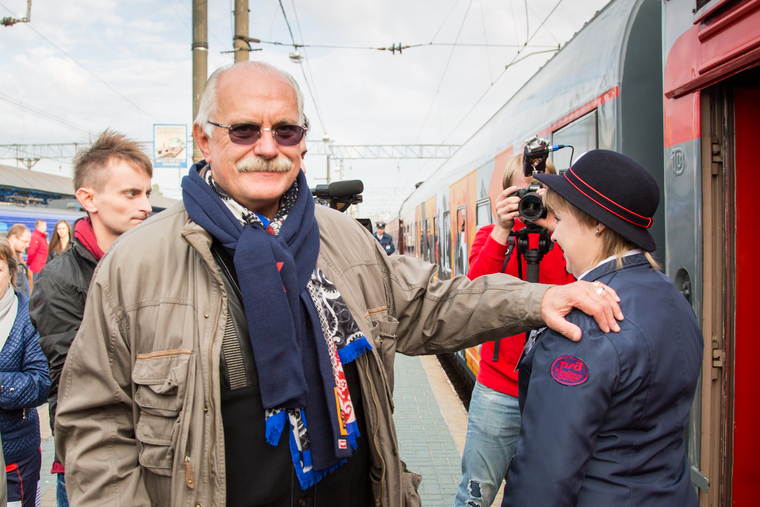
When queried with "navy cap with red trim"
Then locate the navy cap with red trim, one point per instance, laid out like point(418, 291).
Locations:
point(614, 190)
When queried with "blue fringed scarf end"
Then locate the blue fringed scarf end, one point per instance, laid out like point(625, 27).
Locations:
point(275, 425)
point(311, 477)
point(354, 349)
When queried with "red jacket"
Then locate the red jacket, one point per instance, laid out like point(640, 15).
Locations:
point(38, 251)
point(486, 257)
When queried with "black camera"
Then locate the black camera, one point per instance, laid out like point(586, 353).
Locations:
point(531, 206)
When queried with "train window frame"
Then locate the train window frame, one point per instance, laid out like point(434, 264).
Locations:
point(590, 118)
point(446, 257)
point(461, 246)
point(434, 248)
point(480, 204)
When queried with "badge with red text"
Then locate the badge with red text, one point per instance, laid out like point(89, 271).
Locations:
point(569, 371)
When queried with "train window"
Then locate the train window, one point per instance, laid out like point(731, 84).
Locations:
point(460, 261)
point(580, 134)
point(426, 241)
point(483, 212)
point(434, 243)
point(446, 246)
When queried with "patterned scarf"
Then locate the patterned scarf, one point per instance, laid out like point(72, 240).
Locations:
point(325, 335)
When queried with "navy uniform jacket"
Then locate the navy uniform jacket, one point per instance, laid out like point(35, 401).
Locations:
point(387, 243)
point(603, 420)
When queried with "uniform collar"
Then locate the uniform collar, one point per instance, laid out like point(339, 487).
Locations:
point(607, 266)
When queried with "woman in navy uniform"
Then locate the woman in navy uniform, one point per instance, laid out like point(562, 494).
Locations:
point(603, 419)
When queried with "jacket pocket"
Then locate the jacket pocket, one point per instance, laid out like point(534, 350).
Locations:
point(161, 382)
point(156, 436)
point(161, 379)
point(384, 336)
point(409, 484)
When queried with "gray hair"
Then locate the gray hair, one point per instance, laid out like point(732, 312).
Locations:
point(209, 100)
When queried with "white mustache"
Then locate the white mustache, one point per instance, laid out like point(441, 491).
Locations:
point(258, 164)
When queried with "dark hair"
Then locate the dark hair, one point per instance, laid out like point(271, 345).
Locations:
point(9, 256)
point(55, 239)
point(92, 165)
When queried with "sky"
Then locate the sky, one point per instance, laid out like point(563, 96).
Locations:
point(81, 66)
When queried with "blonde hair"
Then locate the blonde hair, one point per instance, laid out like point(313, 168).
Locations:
point(515, 165)
point(612, 242)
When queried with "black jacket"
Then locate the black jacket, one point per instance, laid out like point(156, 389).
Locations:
point(603, 419)
point(57, 306)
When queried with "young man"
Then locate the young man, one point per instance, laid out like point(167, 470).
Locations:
point(226, 353)
point(19, 237)
point(112, 183)
point(38, 250)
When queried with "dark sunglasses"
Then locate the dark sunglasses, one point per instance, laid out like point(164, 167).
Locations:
point(249, 133)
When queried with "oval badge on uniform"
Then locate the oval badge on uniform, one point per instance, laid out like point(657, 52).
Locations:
point(569, 371)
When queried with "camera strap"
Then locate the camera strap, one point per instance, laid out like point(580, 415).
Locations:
point(510, 249)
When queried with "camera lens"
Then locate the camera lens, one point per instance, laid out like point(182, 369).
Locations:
point(531, 207)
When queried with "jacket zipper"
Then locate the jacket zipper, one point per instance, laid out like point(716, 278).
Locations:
point(211, 401)
point(377, 428)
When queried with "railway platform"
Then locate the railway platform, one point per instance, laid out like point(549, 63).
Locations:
point(431, 424)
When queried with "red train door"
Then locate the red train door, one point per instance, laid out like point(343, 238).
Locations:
point(745, 476)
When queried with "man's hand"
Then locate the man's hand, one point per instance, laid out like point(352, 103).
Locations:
point(595, 299)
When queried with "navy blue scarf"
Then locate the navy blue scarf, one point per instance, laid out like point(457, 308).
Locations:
point(288, 344)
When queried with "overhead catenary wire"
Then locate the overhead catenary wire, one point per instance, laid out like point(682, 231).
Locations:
point(446, 68)
point(510, 64)
point(485, 38)
point(306, 58)
point(394, 48)
point(43, 114)
point(444, 20)
point(308, 86)
point(86, 69)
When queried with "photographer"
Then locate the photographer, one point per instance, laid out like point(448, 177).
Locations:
point(491, 441)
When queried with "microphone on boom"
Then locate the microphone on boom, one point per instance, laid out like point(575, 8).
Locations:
point(339, 194)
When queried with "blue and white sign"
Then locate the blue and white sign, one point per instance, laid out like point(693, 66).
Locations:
point(170, 146)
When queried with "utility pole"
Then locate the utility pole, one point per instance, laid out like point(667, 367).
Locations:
point(12, 21)
point(200, 61)
point(240, 40)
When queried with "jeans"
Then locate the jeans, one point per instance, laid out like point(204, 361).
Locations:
point(493, 428)
point(60, 493)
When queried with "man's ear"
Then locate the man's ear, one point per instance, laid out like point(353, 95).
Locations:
point(86, 197)
point(203, 141)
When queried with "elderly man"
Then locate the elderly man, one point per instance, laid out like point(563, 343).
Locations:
point(237, 349)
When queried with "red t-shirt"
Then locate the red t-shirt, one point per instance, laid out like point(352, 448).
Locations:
point(487, 257)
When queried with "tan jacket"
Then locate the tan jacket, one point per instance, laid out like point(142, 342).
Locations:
point(139, 417)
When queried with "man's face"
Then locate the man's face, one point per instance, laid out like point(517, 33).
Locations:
point(380, 231)
point(247, 96)
point(122, 203)
point(42, 227)
point(19, 244)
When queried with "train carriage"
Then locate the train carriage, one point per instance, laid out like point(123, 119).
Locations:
point(675, 85)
